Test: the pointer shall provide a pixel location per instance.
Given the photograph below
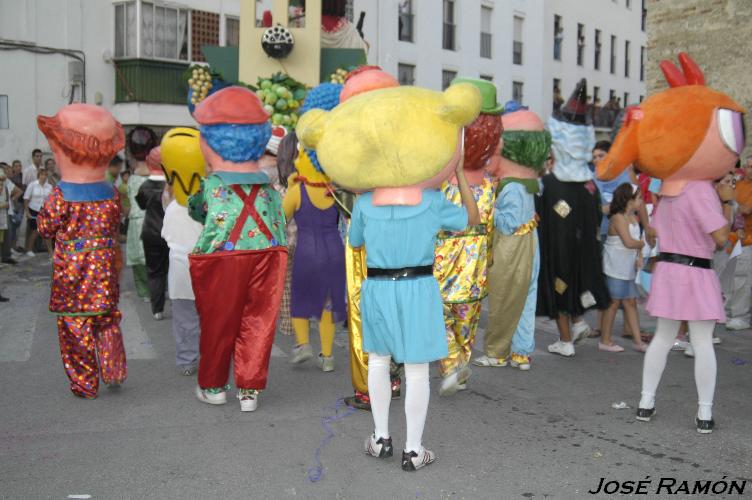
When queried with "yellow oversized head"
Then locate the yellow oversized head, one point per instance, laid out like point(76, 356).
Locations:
point(392, 137)
point(182, 162)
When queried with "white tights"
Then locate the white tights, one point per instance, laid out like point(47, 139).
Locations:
point(701, 337)
point(417, 392)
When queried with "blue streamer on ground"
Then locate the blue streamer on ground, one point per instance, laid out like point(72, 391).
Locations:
point(316, 472)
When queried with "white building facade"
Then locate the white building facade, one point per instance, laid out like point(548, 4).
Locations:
point(512, 43)
point(134, 51)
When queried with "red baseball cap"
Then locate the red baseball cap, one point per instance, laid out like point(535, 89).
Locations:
point(234, 104)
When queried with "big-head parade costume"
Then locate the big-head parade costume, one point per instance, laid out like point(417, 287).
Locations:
point(318, 271)
point(571, 277)
point(183, 166)
point(83, 216)
point(400, 143)
point(513, 276)
point(461, 262)
point(363, 79)
point(689, 218)
point(238, 265)
point(156, 251)
point(140, 141)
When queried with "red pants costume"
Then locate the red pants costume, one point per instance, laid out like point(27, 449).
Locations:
point(238, 294)
point(90, 345)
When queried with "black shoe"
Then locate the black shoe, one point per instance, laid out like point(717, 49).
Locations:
point(379, 448)
point(10, 261)
point(412, 461)
point(645, 414)
point(4, 299)
point(704, 426)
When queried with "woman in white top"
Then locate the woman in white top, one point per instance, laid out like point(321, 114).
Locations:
point(622, 258)
point(34, 197)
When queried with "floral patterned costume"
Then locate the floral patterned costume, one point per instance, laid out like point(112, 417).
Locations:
point(84, 219)
point(238, 273)
point(461, 266)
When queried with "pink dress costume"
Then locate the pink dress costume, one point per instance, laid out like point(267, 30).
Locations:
point(83, 216)
point(684, 223)
point(689, 218)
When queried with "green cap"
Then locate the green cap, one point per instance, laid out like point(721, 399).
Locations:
point(487, 89)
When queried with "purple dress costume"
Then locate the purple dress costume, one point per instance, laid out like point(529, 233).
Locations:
point(318, 269)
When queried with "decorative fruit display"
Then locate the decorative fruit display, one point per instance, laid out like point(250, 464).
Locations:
point(340, 75)
point(202, 82)
point(282, 97)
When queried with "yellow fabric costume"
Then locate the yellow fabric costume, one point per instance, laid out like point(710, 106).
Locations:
point(461, 266)
point(355, 266)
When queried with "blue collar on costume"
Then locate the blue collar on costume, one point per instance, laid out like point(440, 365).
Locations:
point(90, 191)
point(242, 177)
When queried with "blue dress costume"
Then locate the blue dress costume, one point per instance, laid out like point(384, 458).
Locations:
point(403, 318)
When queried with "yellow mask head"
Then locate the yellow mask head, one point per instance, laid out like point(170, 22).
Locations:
point(182, 162)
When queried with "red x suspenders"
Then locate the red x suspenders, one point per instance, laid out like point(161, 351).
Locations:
point(249, 210)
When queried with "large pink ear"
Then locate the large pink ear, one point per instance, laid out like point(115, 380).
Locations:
point(674, 77)
point(692, 71)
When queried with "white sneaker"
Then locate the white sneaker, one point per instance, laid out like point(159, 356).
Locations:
point(563, 348)
point(489, 361)
point(580, 332)
point(689, 352)
point(716, 340)
point(248, 399)
point(326, 363)
point(30, 254)
point(412, 461)
point(301, 353)
point(158, 316)
point(449, 385)
point(737, 324)
point(680, 345)
point(212, 398)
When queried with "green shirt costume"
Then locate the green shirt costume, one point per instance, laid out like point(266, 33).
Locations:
point(217, 207)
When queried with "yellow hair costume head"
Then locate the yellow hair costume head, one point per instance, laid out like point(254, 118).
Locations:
point(182, 162)
point(392, 137)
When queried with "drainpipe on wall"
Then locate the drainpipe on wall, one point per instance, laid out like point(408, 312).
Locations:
point(78, 55)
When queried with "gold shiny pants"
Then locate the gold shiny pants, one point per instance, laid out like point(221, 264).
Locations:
point(461, 322)
point(355, 264)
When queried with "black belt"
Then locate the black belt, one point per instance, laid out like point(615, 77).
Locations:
point(687, 260)
point(400, 274)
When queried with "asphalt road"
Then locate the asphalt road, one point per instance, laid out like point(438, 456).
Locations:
point(547, 433)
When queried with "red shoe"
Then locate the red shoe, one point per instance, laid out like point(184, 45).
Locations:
point(359, 401)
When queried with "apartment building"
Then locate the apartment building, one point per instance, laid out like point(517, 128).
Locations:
point(126, 55)
point(525, 47)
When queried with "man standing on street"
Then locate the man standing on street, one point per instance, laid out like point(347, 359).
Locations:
point(30, 170)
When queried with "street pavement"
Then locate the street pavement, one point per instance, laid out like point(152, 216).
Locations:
point(548, 433)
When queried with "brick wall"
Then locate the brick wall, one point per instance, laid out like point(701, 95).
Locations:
point(716, 33)
point(204, 31)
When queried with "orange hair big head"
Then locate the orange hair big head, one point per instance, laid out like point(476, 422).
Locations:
point(665, 133)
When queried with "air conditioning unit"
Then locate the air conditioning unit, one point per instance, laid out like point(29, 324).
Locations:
point(75, 72)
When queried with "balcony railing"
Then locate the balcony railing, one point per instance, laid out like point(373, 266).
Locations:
point(517, 52)
point(485, 45)
point(448, 38)
point(144, 80)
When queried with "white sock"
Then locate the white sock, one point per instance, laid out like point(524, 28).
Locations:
point(417, 394)
point(655, 359)
point(701, 337)
point(380, 393)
